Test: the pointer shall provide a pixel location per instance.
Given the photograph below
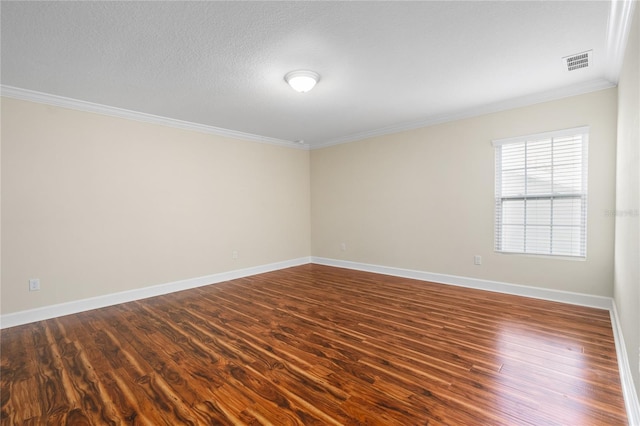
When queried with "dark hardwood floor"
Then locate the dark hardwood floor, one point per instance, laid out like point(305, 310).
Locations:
point(316, 345)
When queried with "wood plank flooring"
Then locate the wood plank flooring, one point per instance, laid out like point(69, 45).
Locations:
point(316, 345)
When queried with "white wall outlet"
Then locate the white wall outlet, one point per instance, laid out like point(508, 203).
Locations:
point(477, 259)
point(234, 254)
point(34, 284)
point(343, 246)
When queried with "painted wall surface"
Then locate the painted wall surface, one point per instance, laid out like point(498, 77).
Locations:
point(424, 199)
point(94, 205)
point(627, 231)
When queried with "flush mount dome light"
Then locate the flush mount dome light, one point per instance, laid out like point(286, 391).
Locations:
point(302, 80)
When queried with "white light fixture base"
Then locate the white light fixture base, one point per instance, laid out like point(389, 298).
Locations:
point(302, 80)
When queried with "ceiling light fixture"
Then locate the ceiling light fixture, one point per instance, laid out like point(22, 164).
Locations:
point(302, 80)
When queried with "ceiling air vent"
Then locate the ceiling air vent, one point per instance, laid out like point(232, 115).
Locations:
point(579, 60)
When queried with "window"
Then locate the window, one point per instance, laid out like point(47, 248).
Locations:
point(541, 193)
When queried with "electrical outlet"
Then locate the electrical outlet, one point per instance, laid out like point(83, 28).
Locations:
point(477, 260)
point(34, 284)
point(343, 246)
point(234, 254)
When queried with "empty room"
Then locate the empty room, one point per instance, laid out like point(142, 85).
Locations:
point(320, 213)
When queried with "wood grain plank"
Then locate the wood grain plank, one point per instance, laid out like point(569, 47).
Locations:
point(316, 345)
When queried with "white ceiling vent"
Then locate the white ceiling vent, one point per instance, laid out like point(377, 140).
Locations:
point(579, 60)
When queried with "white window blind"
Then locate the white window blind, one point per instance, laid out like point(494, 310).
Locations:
point(541, 193)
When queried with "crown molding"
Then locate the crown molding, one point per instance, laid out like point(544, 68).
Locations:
point(523, 101)
point(64, 102)
point(618, 28)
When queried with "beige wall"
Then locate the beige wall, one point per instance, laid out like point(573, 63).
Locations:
point(423, 199)
point(94, 205)
point(627, 248)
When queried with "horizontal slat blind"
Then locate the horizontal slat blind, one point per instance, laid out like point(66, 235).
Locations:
point(541, 194)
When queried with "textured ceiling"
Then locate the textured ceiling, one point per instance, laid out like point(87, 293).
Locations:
point(384, 65)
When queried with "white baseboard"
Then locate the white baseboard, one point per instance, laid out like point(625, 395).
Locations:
point(496, 286)
point(76, 306)
point(67, 308)
point(626, 379)
point(628, 389)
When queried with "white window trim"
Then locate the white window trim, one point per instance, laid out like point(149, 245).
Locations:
point(584, 130)
point(555, 134)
